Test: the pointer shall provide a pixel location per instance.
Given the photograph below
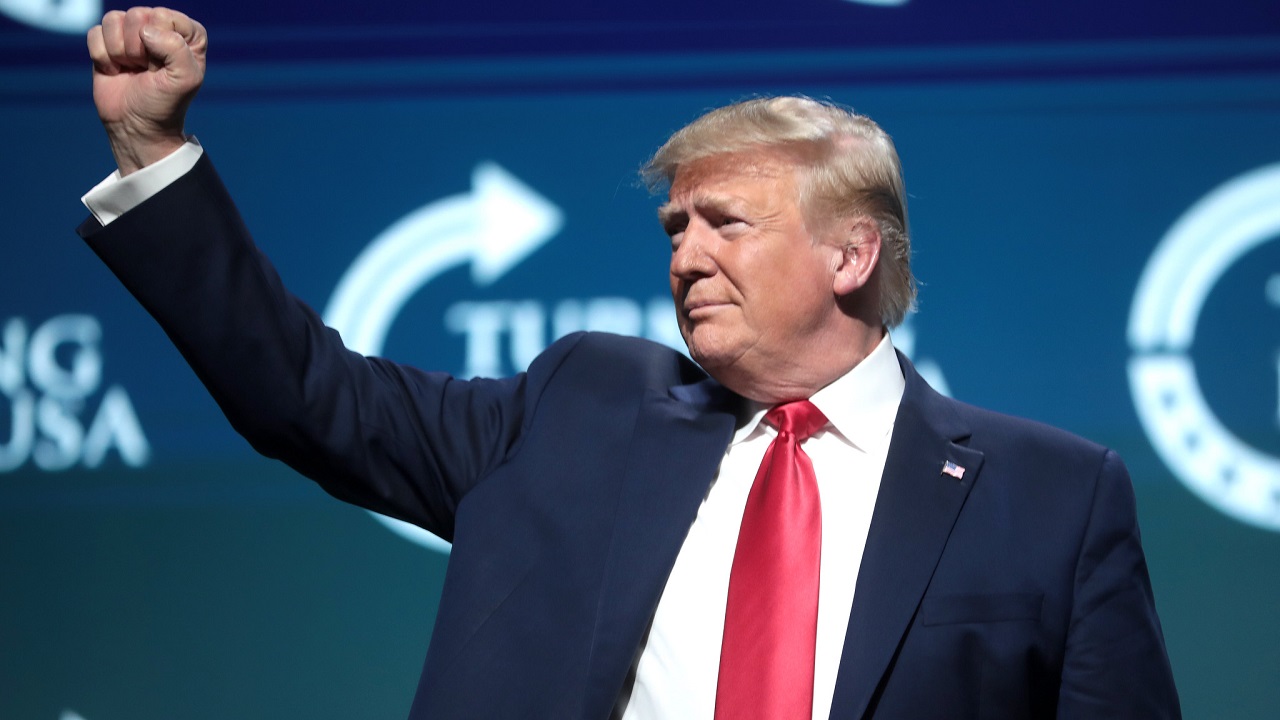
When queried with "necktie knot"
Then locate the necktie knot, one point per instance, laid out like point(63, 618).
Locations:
point(801, 418)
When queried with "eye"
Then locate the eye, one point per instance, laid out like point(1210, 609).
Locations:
point(674, 224)
point(675, 231)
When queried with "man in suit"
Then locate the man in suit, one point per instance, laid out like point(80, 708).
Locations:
point(797, 526)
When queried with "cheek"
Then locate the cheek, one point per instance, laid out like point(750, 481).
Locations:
point(801, 290)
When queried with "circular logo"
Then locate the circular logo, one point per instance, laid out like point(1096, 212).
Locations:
point(1229, 474)
point(63, 16)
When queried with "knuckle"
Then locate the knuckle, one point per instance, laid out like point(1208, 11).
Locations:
point(137, 16)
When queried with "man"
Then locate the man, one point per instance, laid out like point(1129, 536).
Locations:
point(799, 528)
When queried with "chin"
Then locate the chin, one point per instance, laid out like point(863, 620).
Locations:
point(711, 360)
point(700, 356)
point(712, 350)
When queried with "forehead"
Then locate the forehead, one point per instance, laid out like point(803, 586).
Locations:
point(732, 174)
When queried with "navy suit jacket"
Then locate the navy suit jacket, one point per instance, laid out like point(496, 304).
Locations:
point(1017, 591)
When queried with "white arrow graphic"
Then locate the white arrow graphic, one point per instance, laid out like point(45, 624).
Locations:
point(494, 227)
point(498, 224)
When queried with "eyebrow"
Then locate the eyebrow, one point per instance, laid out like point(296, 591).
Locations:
point(669, 213)
point(724, 204)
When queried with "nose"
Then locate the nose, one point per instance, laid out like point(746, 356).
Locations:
point(691, 259)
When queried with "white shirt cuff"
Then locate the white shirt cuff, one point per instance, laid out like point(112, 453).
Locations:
point(117, 195)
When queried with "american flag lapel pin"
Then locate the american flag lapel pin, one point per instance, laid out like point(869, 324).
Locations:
point(952, 469)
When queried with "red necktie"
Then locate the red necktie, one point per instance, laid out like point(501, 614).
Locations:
point(771, 622)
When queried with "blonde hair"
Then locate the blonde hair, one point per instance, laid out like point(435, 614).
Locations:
point(849, 164)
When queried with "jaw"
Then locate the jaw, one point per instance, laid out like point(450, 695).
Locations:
point(781, 371)
point(743, 366)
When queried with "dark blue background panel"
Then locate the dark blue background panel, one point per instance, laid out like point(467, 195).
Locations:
point(295, 30)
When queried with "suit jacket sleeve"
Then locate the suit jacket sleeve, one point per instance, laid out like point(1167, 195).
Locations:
point(402, 442)
point(1114, 664)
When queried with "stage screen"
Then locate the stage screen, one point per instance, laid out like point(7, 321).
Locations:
point(1095, 210)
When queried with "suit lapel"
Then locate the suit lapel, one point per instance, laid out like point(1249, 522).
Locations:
point(678, 443)
point(915, 511)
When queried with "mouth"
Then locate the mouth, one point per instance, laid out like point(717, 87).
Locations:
point(701, 308)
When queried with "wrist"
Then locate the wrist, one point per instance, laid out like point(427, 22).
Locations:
point(134, 150)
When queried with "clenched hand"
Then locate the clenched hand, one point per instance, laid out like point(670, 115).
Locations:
point(148, 64)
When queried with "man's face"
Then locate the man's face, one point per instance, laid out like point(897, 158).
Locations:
point(752, 285)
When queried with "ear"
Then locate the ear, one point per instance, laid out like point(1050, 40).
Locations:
point(859, 240)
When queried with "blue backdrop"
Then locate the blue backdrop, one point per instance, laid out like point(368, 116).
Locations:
point(1095, 204)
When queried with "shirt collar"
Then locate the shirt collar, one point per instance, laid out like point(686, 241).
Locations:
point(860, 405)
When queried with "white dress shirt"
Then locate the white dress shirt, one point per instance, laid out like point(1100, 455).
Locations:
point(678, 668)
point(680, 663)
point(116, 195)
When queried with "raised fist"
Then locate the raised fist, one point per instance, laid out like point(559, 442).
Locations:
point(148, 64)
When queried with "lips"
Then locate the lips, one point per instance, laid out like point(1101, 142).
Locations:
point(694, 308)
